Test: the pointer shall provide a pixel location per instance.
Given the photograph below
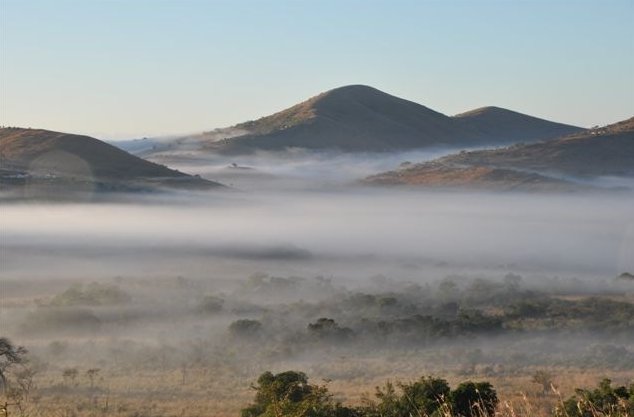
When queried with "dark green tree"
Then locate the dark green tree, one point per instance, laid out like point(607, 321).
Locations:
point(289, 394)
point(425, 396)
point(474, 399)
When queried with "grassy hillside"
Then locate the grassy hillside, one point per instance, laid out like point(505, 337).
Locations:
point(437, 175)
point(602, 151)
point(360, 118)
point(606, 151)
point(29, 156)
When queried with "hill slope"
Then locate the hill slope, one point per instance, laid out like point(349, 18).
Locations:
point(439, 175)
point(512, 127)
point(608, 151)
point(359, 118)
point(43, 155)
point(352, 118)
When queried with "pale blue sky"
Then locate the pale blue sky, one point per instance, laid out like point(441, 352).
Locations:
point(131, 68)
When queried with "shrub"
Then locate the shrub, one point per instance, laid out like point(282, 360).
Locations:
point(474, 399)
point(603, 400)
point(211, 304)
point(93, 294)
point(245, 328)
point(290, 394)
point(46, 319)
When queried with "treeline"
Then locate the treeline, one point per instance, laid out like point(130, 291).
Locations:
point(422, 315)
point(289, 394)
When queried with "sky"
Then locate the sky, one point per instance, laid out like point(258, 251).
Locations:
point(120, 69)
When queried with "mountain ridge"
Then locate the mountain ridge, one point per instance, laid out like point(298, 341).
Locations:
point(360, 118)
point(601, 152)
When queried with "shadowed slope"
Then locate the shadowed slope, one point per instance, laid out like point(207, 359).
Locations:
point(606, 151)
point(38, 153)
point(512, 127)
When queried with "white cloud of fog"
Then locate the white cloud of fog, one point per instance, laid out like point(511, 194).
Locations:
point(293, 169)
point(326, 232)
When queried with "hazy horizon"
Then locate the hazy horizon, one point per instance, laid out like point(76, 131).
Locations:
point(129, 70)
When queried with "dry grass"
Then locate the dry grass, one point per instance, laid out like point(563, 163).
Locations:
point(223, 392)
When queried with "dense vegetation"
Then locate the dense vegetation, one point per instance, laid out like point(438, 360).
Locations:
point(290, 394)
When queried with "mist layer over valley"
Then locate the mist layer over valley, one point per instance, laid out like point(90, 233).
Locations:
point(316, 209)
point(319, 232)
point(206, 290)
point(168, 291)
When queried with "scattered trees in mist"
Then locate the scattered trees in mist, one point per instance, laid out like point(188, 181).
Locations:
point(189, 330)
point(419, 315)
point(387, 315)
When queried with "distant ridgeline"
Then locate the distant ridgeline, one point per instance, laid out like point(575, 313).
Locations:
point(359, 118)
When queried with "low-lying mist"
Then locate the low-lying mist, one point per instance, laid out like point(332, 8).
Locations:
point(203, 292)
point(346, 233)
point(293, 169)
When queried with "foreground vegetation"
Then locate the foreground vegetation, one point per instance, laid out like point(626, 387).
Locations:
point(182, 347)
point(289, 394)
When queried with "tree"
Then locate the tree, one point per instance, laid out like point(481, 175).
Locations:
point(328, 329)
point(425, 396)
point(389, 404)
point(245, 328)
point(211, 304)
point(474, 399)
point(603, 400)
point(545, 379)
point(70, 374)
point(289, 394)
point(10, 356)
point(24, 380)
point(19, 393)
point(92, 374)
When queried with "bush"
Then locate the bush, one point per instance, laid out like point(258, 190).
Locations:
point(245, 328)
point(93, 294)
point(603, 400)
point(211, 304)
point(46, 319)
point(474, 399)
point(425, 395)
point(328, 329)
point(290, 394)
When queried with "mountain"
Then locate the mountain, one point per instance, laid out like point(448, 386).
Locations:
point(359, 118)
point(605, 151)
point(37, 156)
point(352, 118)
point(600, 152)
point(438, 175)
point(512, 127)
